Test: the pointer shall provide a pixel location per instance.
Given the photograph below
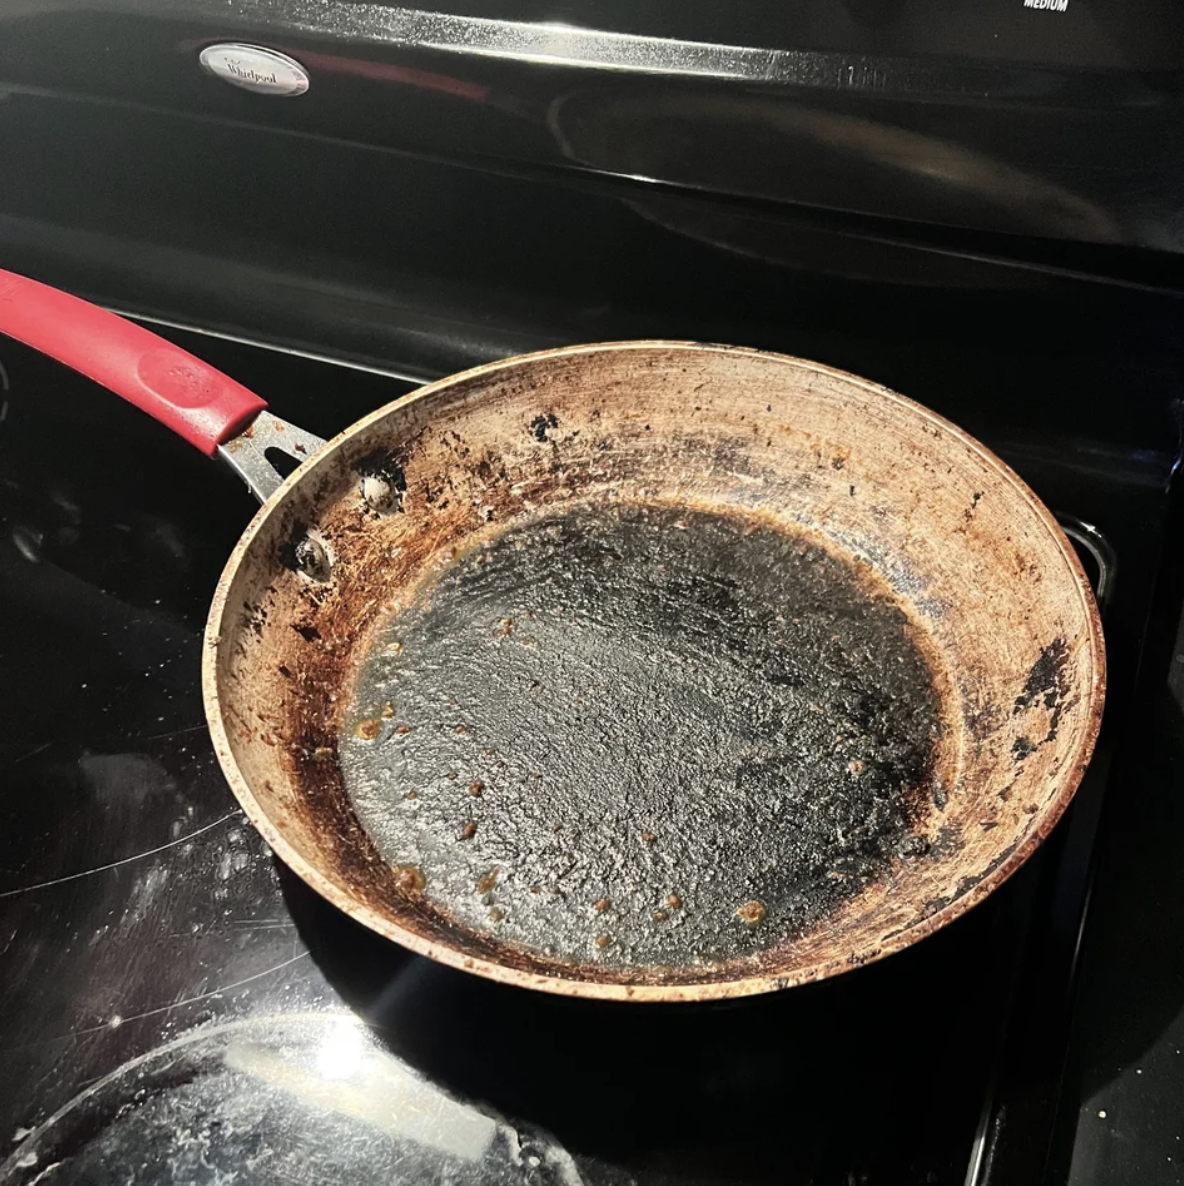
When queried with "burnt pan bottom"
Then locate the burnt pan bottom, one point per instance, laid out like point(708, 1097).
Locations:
point(644, 735)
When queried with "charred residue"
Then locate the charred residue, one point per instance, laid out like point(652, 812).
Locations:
point(542, 424)
point(491, 468)
point(693, 708)
point(1046, 685)
point(976, 498)
point(1021, 748)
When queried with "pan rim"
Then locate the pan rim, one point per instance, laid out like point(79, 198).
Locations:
point(339, 895)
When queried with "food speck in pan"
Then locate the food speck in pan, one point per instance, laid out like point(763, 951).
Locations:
point(703, 733)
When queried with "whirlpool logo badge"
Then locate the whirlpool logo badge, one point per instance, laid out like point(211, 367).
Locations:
point(1051, 5)
point(255, 68)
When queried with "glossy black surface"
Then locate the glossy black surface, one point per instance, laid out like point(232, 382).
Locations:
point(1120, 1115)
point(422, 266)
point(137, 905)
point(1001, 119)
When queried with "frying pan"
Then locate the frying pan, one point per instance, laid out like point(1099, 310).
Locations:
point(650, 670)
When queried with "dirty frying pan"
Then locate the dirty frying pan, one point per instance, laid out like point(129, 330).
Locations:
point(647, 670)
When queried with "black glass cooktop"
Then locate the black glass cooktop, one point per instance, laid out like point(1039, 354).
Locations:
point(176, 1006)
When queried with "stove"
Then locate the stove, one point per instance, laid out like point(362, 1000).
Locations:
point(177, 1006)
point(174, 1004)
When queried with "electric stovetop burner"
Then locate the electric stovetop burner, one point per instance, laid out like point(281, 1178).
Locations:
point(296, 1098)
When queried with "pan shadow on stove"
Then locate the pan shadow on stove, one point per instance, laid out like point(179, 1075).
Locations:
point(836, 1082)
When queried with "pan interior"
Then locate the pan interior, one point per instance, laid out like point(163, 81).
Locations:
point(646, 735)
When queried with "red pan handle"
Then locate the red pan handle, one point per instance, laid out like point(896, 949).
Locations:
point(187, 395)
